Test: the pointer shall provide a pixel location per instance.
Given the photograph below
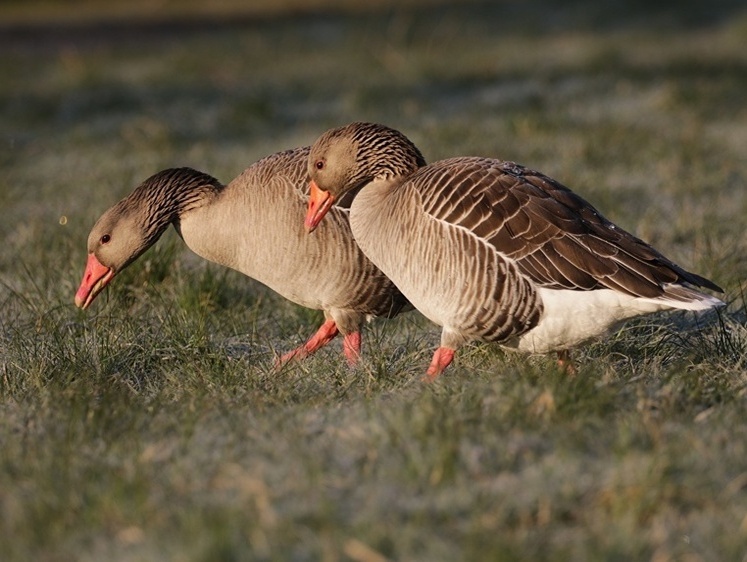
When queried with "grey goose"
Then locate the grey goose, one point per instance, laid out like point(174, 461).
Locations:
point(491, 250)
point(234, 226)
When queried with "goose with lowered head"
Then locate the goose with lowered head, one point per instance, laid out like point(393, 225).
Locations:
point(231, 225)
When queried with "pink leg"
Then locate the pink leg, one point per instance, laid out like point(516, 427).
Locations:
point(565, 362)
point(441, 359)
point(322, 337)
point(351, 346)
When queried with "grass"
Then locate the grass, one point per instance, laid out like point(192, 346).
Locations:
point(152, 427)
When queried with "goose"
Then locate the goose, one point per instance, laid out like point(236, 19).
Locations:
point(228, 225)
point(491, 250)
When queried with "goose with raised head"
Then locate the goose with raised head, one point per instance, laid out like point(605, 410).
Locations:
point(491, 250)
point(234, 226)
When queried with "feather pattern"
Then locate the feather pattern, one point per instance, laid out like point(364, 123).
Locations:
point(494, 251)
point(262, 210)
point(253, 225)
point(556, 238)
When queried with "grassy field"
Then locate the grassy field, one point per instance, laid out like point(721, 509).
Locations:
point(152, 427)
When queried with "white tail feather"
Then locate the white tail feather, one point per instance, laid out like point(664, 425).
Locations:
point(685, 298)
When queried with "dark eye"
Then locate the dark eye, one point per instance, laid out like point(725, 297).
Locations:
point(319, 164)
point(105, 239)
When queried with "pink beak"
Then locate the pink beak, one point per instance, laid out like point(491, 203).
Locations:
point(95, 278)
point(320, 203)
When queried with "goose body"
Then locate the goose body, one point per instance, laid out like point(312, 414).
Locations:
point(491, 250)
point(230, 226)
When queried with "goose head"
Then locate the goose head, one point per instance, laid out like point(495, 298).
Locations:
point(116, 240)
point(347, 158)
point(134, 224)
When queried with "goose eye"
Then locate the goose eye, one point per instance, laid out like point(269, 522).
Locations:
point(105, 239)
point(319, 164)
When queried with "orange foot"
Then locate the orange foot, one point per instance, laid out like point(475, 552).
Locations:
point(351, 347)
point(441, 359)
point(325, 334)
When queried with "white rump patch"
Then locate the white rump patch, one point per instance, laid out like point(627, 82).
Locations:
point(572, 317)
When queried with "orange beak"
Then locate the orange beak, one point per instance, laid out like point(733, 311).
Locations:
point(95, 278)
point(319, 203)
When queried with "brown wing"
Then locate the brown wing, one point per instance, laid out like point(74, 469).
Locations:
point(556, 238)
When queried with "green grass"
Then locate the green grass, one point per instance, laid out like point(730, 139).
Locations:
point(152, 427)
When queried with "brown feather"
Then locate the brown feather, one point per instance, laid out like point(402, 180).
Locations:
point(557, 238)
